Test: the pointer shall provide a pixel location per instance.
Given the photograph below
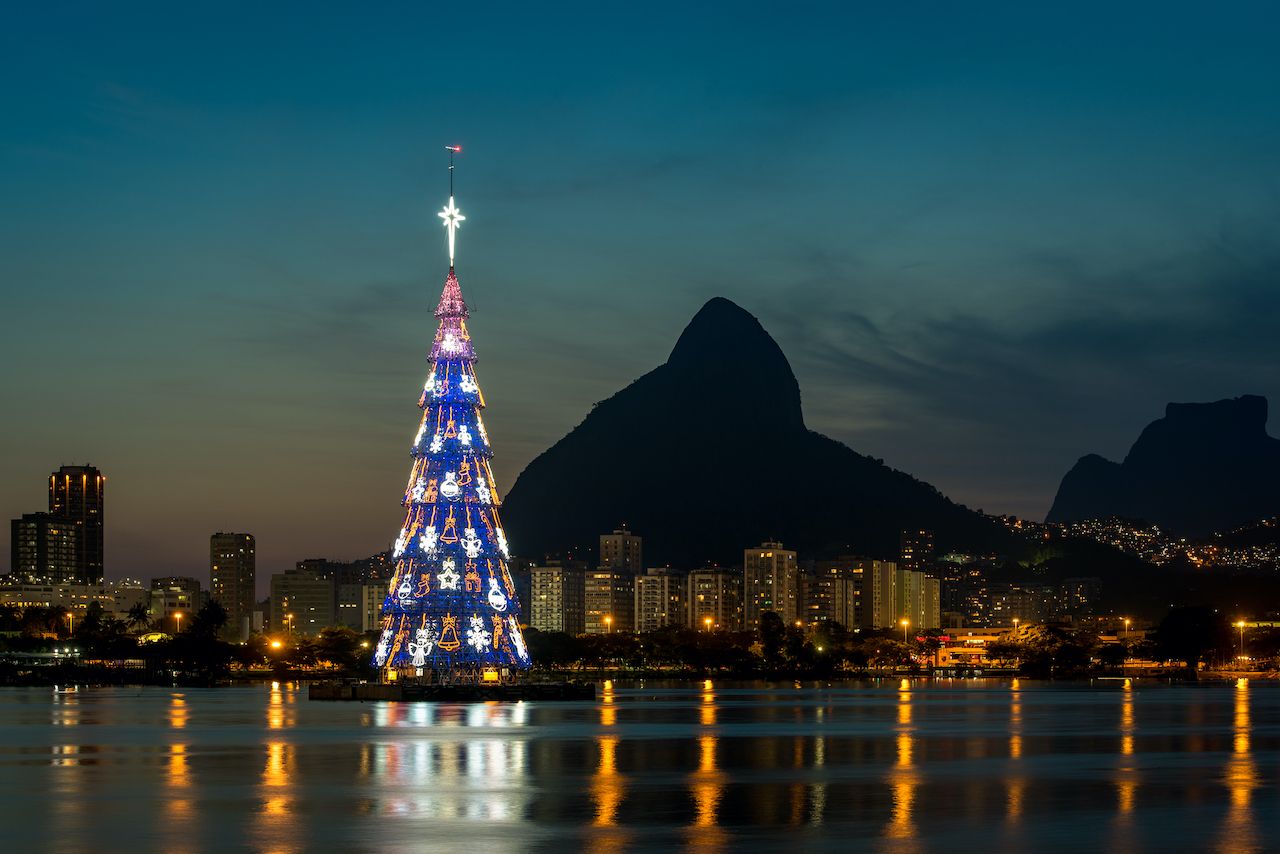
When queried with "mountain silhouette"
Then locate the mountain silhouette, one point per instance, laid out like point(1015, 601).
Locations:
point(1204, 467)
point(708, 454)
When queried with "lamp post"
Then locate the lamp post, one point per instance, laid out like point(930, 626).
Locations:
point(1016, 620)
point(905, 623)
point(706, 621)
point(289, 620)
point(608, 625)
point(177, 622)
point(1240, 626)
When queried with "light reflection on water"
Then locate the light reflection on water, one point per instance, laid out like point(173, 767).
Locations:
point(708, 767)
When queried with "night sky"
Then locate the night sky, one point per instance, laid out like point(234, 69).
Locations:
point(988, 241)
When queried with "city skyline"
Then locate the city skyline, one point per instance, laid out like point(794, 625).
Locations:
point(983, 257)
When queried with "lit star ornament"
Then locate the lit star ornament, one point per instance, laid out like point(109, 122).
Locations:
point(452, 221)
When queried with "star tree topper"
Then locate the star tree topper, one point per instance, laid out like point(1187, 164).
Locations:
point(451, 215)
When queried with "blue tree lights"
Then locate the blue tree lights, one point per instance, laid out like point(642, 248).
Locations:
point(451, 612)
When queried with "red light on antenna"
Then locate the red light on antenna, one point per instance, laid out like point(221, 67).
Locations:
point(454, 148)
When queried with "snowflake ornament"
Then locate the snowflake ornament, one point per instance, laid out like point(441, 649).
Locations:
point(476, 634)
point(419, 487)
point(502, 544)
point(437, 443)
point(401, 542)
point(468, 384)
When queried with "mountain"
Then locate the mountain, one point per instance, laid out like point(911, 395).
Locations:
point(708, 454)
point(1204, 467)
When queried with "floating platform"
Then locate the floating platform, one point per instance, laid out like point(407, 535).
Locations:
point(452, 693)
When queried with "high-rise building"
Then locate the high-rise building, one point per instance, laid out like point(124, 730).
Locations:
point(890, 594)
point(931, 606)
point(609, 600)
point(360, 604)
point(770, 579)
point(232, 578)
point(878, 594)
point(556, 597)
point(77, 495)
point(915, 551)
point(302, 602)
point(713, 594)
point(921, 599)
point(831, 592)
point(658, 600)
point(44, 549)
point(622, 551)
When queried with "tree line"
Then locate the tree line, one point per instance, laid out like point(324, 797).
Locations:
point(1187, 636)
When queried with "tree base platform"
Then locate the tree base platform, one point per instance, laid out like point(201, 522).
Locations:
point(452, 693)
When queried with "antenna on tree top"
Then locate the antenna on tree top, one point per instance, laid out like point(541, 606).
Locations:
point(452, 149)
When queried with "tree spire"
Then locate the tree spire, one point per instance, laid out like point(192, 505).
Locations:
point(451, 215)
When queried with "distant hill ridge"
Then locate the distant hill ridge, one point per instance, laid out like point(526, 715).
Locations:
point(708, 454)
point(1204, 467)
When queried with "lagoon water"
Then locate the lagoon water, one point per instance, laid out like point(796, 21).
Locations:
point(876, 766)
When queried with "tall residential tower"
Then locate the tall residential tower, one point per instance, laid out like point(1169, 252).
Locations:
point(232, 579)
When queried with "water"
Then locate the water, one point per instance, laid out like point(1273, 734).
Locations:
point(879, 766)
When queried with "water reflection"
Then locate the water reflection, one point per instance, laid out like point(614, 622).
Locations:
point(698, 767)
point(1017, 780)
point(1239, 832)
point(608, 714)
point(449, 762)
point(275, 825)
point(903, 779)
point(706, 786)
point(282, 709)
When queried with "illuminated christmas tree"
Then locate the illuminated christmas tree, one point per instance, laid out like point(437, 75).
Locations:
point(451, 612)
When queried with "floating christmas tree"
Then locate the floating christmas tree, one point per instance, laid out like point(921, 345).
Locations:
point(451, 613)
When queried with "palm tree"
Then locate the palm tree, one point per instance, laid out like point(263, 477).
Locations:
point(139, 616)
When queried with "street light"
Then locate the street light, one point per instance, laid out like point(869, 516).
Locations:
point(1127, 622)
point(289, 619)
point(706, 621)
point(608, 625)
point(905, 623)
point(1016, 620)
point(177, 622)
point(1240, 626)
